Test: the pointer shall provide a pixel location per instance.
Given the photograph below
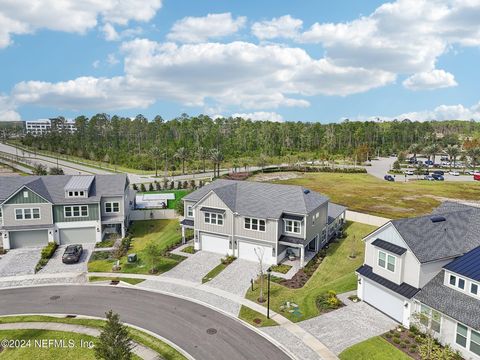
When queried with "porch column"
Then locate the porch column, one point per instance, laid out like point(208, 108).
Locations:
point(183, 234)
point(302, 256)
point(123, 230)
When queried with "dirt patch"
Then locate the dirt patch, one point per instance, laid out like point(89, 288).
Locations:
point(276, 176)
point(391, 208)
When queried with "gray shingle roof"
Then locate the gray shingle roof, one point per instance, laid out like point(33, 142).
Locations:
point(453, 303)
point(334, 211)
point(452, 206)
point(52, 187)
point(430, 241)
point(261, 200)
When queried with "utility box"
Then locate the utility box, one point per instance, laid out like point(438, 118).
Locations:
point(132, 258)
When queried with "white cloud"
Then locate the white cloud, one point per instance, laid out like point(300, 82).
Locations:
point(96, 64)
point(282, 27)
point(112, 59)
point(405, 36)
point(260, 116)
point(237, 74)
point(435, 79)
point(199, 29)
point(27, 16)
point(110, 33)
point(7, 110)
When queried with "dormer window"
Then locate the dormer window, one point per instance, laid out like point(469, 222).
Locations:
point(386, 261)
point(76, 194)
point(25, 194)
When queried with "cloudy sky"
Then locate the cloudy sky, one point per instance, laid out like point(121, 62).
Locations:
point(305, 60)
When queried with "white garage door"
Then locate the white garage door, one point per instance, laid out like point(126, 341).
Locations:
point(247, 251)
point(77, 236)
point(216, 244)
point(383, 300)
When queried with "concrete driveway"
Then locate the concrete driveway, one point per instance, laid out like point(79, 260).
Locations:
point(348, 325)
point(19, 261)
point(56, 266)
point(195, 267)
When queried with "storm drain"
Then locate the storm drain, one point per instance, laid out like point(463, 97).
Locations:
point(54, 297)
point(211, 331)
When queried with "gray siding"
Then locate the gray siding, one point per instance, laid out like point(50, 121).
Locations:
point(281, 229)
point(32, 198)
point(118, 199)
point(58, 213)
point(45, 214)
point(313, 228)
point(270, 233)
point(213, 201)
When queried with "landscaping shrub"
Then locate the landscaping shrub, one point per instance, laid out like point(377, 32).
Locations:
point(328, 301)
point(189, 250)
point(100, 255)
point(396, 340)
point(45, 255)
point(396, 334)
point(403, 345)
point(412, 349)
point(388, 335)
point(227, 260)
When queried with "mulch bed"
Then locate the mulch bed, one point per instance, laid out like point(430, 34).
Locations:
point(301, 277)
point(405, 337)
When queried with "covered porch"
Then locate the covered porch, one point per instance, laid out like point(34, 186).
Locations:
point(113, 227)
point(297, 252)
point(186, 224)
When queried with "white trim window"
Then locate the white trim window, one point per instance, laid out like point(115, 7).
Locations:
point(213, 218)
point(72, 194)
point(254, 224)
point(112, 207)
point(462, 335)
point(475, 342)
point(75, 211)
point(386, 261)
point(292, 226)
point(190, 210)
point(430, 318)
point(457, 282)
point(473, 286)
point(27, 214)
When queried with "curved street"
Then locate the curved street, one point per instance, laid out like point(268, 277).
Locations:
point(183, 322)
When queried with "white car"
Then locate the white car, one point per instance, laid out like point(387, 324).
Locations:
point(408, 172)
point(454, 173)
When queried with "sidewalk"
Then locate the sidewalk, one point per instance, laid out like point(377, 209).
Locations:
point(204, 294)
point(140, 350)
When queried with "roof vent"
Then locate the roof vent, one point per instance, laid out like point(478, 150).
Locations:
point(437, 219)
point(306, 191)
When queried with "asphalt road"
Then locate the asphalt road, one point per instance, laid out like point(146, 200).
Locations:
point(183, 322)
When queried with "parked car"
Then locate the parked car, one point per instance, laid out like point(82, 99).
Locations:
point(408, 172)
point(429, 162)
point(72, 254)
point(428, 177)
point(439, 172)
point(454, 173)
point(389, 178)
point(438, 177)
point(476, 176)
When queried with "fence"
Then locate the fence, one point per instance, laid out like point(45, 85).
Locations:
point(365, 218)
point(153, 214)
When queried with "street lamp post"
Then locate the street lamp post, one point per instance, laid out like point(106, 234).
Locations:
point(269, 271)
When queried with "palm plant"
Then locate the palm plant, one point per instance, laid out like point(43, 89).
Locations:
point(217, 157)
point(474, 154)
point(202, 155)
point(155, 153)
point(182, 155)
point(452, 151)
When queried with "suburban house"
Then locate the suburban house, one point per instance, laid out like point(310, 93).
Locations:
point(35, 210)
point(426, 271)
point(243, 218)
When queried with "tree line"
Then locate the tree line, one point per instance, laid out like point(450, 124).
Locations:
point(185, 141)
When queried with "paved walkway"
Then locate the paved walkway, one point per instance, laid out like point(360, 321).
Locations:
point(19, 261)
point(348, 325)
point(195, 267)
point(42, 279)
point(139, 350)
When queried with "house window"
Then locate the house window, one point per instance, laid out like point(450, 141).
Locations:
point(27, 214)
point(475, 342)
point(386, 261)
point(457, 282)
point(190, 211)
point(112, 207)
point(76, 193)
point(25, 194)
point(254, 224)
point(430, 318)
point(213, 218)
point(76, 211)
point(453, 280)
point(473, 286)
point(292, 226)
point(462, 332)
point(1, 214)
point(461, 283)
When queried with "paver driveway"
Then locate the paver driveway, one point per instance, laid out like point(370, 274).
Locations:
point(348, 325)
point(195, 267)
point(19, 261)
point(56, 266)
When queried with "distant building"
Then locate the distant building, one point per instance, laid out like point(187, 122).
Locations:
point(43, 126)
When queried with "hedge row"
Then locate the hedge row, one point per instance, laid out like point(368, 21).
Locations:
point(46, 254)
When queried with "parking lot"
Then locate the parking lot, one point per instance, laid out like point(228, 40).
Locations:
point(55, 264)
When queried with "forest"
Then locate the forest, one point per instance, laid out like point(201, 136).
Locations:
point(186, 141)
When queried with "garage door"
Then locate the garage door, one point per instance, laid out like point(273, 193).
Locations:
point(247, 251)
point(77, 236)
point(216, 244)
point(33, 238)
point(383, 300)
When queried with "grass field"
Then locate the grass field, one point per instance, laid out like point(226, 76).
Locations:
point(365, 193)
point(249, 315)
point(336, 272)
point(130, 281)
point(165, 350)
point(163, 232)
point(373, 349)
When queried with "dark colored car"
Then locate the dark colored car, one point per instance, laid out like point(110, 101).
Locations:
point(72, 254)
point(439, 172)
point(389, 178)
point(437, 177)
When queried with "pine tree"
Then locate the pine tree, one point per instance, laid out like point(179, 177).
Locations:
point(114, 342)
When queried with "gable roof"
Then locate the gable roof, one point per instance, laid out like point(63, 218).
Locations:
point(430, 241)
point(467, 265)
point(263, 200)
point(52, 187)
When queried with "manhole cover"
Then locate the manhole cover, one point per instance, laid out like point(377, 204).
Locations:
point(211, 331)
point(54, 297)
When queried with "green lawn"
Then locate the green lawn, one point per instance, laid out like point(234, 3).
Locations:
point(179, 194)
point(130, 281)
point(36, 350)
point(214, 272)
point(163, 232)
point(375, 348)
point(365, 193)
point(165, 350)
point(336, 272)
point(248, 315)
point(282, 268)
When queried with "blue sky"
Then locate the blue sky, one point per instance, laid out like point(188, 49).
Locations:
point(279, 60)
